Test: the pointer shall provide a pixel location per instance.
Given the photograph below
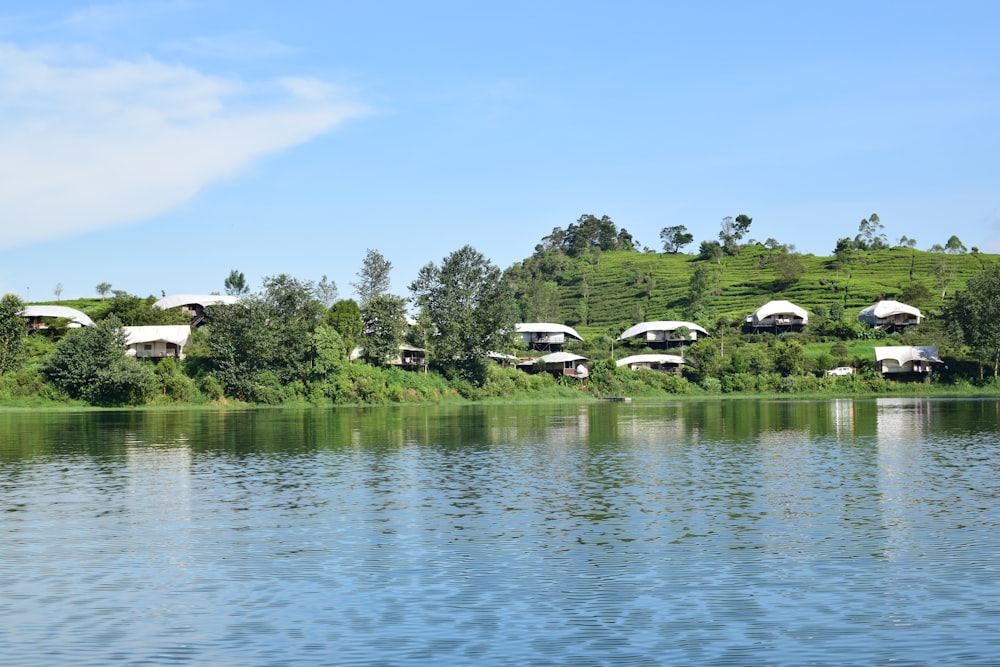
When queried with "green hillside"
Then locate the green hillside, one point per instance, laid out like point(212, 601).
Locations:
point(602, 290)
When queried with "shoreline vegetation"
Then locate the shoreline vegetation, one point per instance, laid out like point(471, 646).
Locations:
point(294, 343)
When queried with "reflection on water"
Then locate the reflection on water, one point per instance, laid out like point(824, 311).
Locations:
point(714, 533)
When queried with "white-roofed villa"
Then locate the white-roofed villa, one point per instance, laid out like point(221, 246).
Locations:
point(777, 317)
point(157, 342)
point(665, 363)
point(37, 315)
point(890, 315)
point(194, 304)
point(545, 335)
point(907, 361)
point(558, 364)
point(664, 333)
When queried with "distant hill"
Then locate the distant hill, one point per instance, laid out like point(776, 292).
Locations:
point(602, 290)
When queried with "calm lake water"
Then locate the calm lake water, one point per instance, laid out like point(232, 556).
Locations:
point(715, 533)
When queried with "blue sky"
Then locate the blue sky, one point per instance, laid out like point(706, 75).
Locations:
point(157, 145)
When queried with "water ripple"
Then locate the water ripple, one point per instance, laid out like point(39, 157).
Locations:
point(595, 535)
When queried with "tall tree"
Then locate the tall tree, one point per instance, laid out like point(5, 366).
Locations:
point(975, 312)
point(383, 318)
point(674, 238)
point(58, 291)
point(12, 333)
point(345, 318)
point(103, 289)
point(955, 246)
point(236, 284)
point(265, 340)
point(326, 291)
point(870, 234)
point(472, 309)
point(373, 278)
point(541, 301)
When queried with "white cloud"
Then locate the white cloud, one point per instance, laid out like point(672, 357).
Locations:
point(94, 144)
point(113, 15)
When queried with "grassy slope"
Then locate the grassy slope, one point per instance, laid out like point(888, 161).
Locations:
point(627, 287)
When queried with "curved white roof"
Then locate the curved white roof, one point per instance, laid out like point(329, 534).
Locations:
point(661, 325)
point(178, 334)
point(652, 359)
point(58, 311)
point(884, 309)
point(556, 357)
point(546, 327)
point(780, 307)
point(175, 300)
point(905, 353)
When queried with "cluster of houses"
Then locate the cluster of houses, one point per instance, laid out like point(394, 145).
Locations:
point(157, 342)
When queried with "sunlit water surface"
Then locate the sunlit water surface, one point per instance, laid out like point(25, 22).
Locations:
point(718, 533)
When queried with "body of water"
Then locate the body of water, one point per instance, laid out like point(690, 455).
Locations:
point(702, 533)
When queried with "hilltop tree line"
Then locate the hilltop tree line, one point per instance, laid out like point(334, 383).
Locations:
point(295, 339)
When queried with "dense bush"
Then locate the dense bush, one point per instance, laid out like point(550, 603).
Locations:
point(89, 364)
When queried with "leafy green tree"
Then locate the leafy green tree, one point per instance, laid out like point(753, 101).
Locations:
point(674, 238)
point(733, 231)
point(12, 333)
point(90, 364)
point(264, 342)
point(542, 301)
point(294, 313)
point(955, 246)
point(383, 318)
point(134, 311)
point(905, 242)
point(789, 357)
point(240, 346)
point(236, 284)
point(741, 225)
point(345, 318)
point(707, 358)
point(472, 309)
point(103, 289)
point(589, 233)
point(915, 293)
point(789, 267)
point(975, 312)
point(330, 352)
point(373, 278)
point(870, 234)
point(710, 250)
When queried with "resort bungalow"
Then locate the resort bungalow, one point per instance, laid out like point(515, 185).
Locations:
point(777, 317)
point(545, 335)
point(411, 358)
point(157, 342)
point(37, 315)
point(664, 333)
point(665, 363)
point(890, 315)
point(557, 363)
point(194, 304)
point(906, 360)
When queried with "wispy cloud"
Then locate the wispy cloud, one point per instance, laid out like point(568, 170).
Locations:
point(112, 15)
point(97, 143)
